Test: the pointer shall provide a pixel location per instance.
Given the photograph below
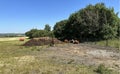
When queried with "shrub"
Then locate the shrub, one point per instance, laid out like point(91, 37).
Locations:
point(103, 70)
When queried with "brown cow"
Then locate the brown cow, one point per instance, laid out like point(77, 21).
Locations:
point(21, 39)
point(66, 41)
point(76, 42)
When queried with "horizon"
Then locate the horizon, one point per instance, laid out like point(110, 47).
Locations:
point(22, 15)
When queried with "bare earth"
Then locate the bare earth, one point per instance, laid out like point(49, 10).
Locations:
point(90, 55)
point(86, 54)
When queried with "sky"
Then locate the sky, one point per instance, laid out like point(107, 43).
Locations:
point(19, 16)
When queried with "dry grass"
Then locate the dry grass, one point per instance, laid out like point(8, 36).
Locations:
point(11, 38)
point(17, 59)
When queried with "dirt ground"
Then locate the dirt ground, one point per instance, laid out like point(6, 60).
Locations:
point(89, 55)
point(66, 57)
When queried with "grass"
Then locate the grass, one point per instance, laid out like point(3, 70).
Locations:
point(17, 59)
point(112, 43)
point(10, 38)
point(103, 70)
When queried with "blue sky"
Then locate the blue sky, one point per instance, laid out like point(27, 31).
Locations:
point(19, 16)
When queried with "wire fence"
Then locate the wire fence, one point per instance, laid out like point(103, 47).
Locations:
point(113, 43)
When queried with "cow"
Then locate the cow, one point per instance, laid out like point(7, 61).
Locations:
point(76, 42)
point(66, 41)
point(21, 39)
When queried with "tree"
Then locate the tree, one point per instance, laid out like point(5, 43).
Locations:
point(95, 22)
point(34, 33)
point(118, 29)
point(47, 27)
point(59, 29)
point(30, 33)
point(40, 33)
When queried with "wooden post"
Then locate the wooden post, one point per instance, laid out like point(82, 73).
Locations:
point(106, 42)
point(52, 42)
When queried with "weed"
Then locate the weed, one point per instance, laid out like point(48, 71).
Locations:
point(103, 70)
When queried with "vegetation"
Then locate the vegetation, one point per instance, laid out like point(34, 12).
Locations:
point(26, 60)
point(92, 23)
point(103, 70)
point(11, 38)
point(34, 33)
point(11, 34)
point(47, 27)
point(59, 29)
point(95, 22)
point(17, 59)
point(111, 43)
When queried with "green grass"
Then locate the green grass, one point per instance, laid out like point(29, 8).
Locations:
point(17, 59)
point(112, 43)
point(103, 70)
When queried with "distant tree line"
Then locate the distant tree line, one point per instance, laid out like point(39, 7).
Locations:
point(94, 22)
point(12, 34)
point(34, 33)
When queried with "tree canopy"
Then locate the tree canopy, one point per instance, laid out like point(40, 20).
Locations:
point(47, 27)
point(95, 22)
point(34, 33)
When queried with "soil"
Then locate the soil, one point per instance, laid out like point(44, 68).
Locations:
point(90, 55)
point(42, 41)
point(86, 54)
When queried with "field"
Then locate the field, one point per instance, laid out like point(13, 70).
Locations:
point(60, 59)
point(10, 38)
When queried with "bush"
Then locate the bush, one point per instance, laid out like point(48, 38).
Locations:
point(34, 33)
point(103, 70)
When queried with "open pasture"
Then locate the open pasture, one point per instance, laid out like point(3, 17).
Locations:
point(60, 59)
point(11, 38)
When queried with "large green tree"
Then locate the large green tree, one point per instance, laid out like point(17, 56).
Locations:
point(47, 27)
point(34, 33)
point(59, 29)
point(95, 22)
point(30, 33)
